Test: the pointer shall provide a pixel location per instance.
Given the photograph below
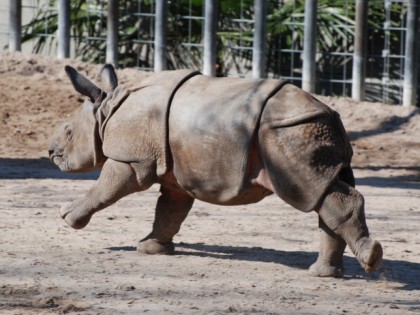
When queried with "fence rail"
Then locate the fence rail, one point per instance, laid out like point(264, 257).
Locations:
point(388, 74)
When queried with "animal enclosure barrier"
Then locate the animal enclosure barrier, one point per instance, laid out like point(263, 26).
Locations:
point(261, 38)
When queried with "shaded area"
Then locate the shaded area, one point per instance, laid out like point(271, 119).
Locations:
point(407, 181)
point(37, 169)
point(122, 248)
point(391, 270)
point(391, 124)
point(294, 259)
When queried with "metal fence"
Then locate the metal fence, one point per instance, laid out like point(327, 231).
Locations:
point(387, 46)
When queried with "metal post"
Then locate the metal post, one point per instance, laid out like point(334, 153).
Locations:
point(112, 33)
point(210, 29)
point(161, 24)
point(15, 24)
point(63, 29)
point(309, 46)
point(259, 47)
point(360, 49)
point(410, 73)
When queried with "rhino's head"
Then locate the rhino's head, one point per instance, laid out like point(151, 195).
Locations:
point(75, 145)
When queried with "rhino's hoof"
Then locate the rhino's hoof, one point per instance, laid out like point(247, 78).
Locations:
point(153, 247)
point(369, 254)
point(321, 269)
point(75, 220)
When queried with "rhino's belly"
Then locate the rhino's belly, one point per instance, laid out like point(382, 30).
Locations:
point(244, 197)
point(215, 169)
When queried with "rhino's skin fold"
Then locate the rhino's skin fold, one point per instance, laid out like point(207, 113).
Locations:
point(221, 140)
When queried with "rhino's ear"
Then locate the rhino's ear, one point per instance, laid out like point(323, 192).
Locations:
point(109, 77)
point(83, 85)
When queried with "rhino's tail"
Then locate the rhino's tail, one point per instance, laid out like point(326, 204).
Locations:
point(346, 175)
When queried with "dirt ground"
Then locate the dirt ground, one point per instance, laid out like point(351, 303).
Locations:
point(229, 260)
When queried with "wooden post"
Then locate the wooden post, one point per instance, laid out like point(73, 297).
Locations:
point(309, 47)
point(15, 25)
point(360, 49)
point(63, 29)
point(260, 33)
point(112, 33)
point(161, 25)
point(410, 65)
point(210, 29)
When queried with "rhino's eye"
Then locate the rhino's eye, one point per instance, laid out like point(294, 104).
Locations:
point(68, 132)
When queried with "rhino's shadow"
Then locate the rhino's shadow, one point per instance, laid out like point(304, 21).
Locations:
point(405, 274)
point(294, 259)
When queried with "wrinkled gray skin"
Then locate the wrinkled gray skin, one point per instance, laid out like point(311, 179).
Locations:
point(74, 148)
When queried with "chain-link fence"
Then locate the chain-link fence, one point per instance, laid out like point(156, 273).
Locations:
point(285, 23)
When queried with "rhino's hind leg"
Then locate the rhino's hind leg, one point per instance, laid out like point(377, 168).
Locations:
point(343, 213)
point(330, 258)
point(171, 210)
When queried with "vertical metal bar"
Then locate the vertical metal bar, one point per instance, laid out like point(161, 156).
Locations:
point(410, 73)
point(210, 29)
point(63, 29)
point(15, 25)
point(360, 49)
point(259, 44)
point(161, 24)
point(112, 33)
point(309, 46)
point(292, 53)
point(386, 52)
point(344, 66)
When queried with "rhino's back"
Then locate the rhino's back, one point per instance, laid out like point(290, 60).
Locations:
point(212, 126)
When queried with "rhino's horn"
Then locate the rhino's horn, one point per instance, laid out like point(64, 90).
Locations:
point(109, 77)
point(83, 85)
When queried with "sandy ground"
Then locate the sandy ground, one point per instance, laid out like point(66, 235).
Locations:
point(229, 260)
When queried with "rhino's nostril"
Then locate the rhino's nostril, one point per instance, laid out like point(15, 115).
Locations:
point(55, 153)
point(52, 154)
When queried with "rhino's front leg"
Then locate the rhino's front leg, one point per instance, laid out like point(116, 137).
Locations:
point(117, 180)
point(171, 210)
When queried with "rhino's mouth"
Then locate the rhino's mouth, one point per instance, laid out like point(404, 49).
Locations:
point(59, 160)
point(61, 163)
point(54, 157)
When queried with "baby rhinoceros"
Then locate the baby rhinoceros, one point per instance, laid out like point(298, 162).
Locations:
point(225, 141)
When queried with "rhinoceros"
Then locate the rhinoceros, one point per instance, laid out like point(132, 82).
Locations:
point(225, 141)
